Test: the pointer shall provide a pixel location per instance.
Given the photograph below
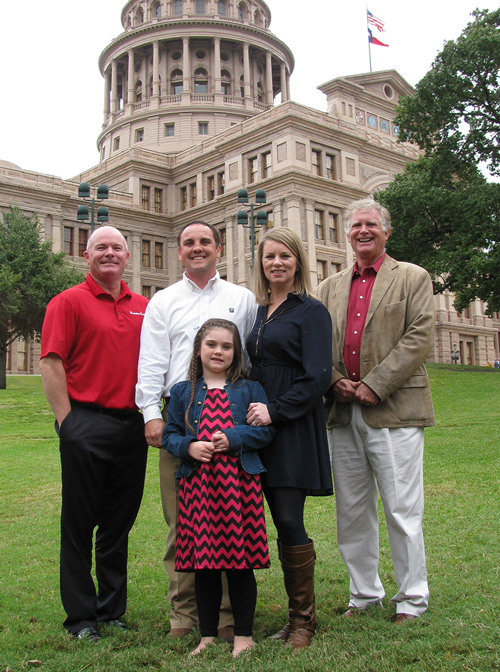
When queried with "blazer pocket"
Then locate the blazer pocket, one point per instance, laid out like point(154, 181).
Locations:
point(417, 380)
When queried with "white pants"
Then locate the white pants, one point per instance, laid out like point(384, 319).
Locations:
point(364, 458)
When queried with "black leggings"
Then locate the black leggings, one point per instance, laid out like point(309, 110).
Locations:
point(287, 509)
point(242, 595)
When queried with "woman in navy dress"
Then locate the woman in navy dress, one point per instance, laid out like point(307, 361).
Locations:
point(290, 347)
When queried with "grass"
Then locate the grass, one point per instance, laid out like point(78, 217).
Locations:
point(461, 630)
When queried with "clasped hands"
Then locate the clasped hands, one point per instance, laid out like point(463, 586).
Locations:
point(203, 451)
point(346, 390)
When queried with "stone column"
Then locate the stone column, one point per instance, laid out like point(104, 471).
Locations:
point(269, 79)
point(131, 77)
point(283, 83)
point(106, 97)
point(186, 71)
point(156, 69)
point(114, 88)
point(217, 66)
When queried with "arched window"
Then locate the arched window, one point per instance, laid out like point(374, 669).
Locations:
point(138, 91)
point(200, 81)
point(260, 92)
point(177, 81)
point(178, 8)
point(221, 8)
point(242, 87)
point(139, 17)
point(226, 82)
point(158, 11)
point(257, 18)
point(242, 11)
point(200, 6)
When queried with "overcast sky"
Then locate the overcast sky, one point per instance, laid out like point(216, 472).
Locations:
point(52, 91)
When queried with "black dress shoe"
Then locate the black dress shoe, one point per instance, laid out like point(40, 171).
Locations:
point(116, 623)
point(87, 635)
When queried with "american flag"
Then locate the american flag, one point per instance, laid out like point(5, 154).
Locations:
point(380, 25)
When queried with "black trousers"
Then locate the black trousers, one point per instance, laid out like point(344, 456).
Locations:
point(103, 463)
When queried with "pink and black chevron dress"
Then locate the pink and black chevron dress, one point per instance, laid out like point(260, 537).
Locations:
point(221, 523)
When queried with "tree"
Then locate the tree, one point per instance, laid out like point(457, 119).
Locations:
point(456, 109)
point(30, 275)
point(446, 218)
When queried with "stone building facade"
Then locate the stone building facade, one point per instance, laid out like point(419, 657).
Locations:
point(197, 105)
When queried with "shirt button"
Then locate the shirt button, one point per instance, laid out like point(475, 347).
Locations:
point(354, 352)
point(364, 280)
point(199, 403)
point(355, 332)
point(360, 297)
point(359, 314)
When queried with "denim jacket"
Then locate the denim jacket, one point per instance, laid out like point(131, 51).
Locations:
point(244, 440)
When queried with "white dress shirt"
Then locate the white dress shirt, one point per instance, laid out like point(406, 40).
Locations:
point(172, 319)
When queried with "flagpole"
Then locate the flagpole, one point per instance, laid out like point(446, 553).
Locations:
point(368, 37)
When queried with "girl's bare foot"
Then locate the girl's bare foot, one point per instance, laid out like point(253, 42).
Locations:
point(205, 641)
point(242, 644)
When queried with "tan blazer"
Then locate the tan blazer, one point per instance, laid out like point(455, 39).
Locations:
point(398, 336)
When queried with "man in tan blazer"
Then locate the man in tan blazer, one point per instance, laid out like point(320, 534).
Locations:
point(379, 402)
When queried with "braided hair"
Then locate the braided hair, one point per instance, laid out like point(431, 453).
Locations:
point(235, 371)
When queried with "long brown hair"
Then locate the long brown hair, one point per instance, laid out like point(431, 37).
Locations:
point(290, 239)
point(234, 372)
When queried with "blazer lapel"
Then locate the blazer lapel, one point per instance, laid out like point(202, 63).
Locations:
point(385, 278)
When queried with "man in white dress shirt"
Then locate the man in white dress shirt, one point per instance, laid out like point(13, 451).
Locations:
point(172, 319)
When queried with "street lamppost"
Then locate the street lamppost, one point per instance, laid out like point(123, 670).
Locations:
point(259, 219)
point(82, 214)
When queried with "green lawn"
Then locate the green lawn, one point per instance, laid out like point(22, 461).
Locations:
point(461, 630)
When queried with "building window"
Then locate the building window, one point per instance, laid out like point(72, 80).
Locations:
point(146, 291)
point(200, 81)
point(252, 170)
point(203, 128)
point(266, 165)
point(116, 144)
point(333, 234)
point(330, 167)
point(200, 6)
point(192, 194)
point(336, 268)
point(158, 11)
point(226, 88)
point(223, 241)
point(178, 8)
point(211, 187)
point(316, 163)
point(177, 88)
point(83, 236)
point(146, 253)
point(139, 135)
point(183, 198)
point(221, 183)
point(221, 8)
point(241, 12)
point(321, 266)
point(169, 130)
point(158, 200)
point(145, 192)
point(22, 360)
point(159, 256)
point(319, 230)
point(68, 240)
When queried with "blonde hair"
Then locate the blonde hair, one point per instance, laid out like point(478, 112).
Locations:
point(235, 370)
point(302, 284)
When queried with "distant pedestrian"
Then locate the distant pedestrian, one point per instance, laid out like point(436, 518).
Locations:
point(455, 355)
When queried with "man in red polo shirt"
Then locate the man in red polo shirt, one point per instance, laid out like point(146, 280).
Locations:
point(379, 403)
point(90, 349)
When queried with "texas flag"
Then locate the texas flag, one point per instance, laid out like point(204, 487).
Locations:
point(373, 40)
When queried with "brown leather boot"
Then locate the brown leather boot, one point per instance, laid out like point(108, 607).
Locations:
point(281, 635)
point(298, 569)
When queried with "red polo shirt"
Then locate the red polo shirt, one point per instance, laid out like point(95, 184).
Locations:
point(357, 310)
point(98, 340)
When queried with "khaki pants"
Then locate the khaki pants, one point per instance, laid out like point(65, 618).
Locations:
point(180, 593)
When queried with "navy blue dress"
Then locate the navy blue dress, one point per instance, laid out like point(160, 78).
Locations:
point(291, 355)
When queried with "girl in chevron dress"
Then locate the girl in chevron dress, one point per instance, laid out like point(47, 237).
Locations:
point(221, 525)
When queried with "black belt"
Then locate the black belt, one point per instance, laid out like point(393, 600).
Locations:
point(115, 412)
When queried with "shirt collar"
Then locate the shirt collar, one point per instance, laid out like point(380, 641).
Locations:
point(97, 290)
point(193, 287)
point(376, 266)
